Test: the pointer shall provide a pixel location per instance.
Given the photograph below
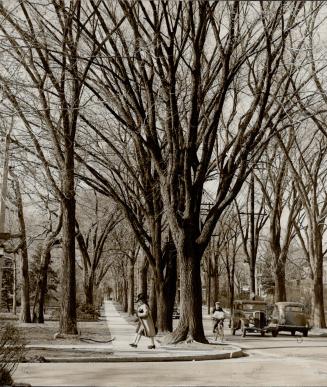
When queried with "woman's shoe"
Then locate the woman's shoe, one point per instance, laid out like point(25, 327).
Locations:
point(133, 345)
point(151, 346)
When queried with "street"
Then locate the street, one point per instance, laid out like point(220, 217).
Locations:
point(284, 360)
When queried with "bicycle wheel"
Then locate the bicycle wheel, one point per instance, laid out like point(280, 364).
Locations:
point(221, 332)
point(216, 333)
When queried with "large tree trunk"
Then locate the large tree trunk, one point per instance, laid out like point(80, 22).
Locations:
point(253, 252)
point(166, 290)
point(252, 280)
point(318, 313)
point(279, 259)
point(279, 276)
point(89, 289)
point(42, 282)
point(25, 313)
point(124, 295)
point(68, 321)
point(38, 308)
point(317, 310)
point(143, 276)
point(118, 293)
point(190, 326)
point(130, 296)
point(153, 298)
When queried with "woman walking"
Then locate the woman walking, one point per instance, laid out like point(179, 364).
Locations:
point(145, 325)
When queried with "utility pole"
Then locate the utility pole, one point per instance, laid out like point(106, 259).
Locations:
point(209, 278)
point(252, 236)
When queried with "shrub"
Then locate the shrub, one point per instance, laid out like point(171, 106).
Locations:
point(84, 312)
point(12, 351)
point(87, 312)
point(5, 377)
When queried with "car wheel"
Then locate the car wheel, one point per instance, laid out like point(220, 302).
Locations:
point(274, 332)
point(305, 333)
point(293, 333)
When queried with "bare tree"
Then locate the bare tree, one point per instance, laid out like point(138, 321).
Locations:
point(44, 41)
point(230, 244)
point(169, 81)
point(51, 239)
point(309, 173)
point(251, 219)
point(25, 312)
point(92, 245)
point(283, 205)
point(307, 165)
point(128, 178)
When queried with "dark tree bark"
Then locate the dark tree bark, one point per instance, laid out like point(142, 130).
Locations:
point(131, 285)
point(68, 318)
point(38, 309)
point(153, 297)
point(25, 312)
point(280, 284)
point(166, 289)
point(190, 324)
point(125, 294)
point(143, 276)
point(42, 280)
point(318, 310)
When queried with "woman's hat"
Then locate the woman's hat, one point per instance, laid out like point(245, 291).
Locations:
point(141, 297)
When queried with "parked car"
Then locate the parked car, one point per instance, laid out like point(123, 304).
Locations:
point(249, 316)
point(289, 316)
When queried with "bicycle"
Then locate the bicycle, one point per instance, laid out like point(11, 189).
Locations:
point(219, 331)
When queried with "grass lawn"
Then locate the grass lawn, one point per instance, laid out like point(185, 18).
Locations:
point(90, 333)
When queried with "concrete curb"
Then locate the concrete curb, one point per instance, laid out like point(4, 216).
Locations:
point(153, 357)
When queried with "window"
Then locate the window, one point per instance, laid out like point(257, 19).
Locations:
point(294, 308)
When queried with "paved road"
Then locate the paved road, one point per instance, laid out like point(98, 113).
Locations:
point(251, 371)
point(280, 361)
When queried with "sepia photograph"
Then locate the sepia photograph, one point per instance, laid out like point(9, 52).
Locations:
point(163, 193)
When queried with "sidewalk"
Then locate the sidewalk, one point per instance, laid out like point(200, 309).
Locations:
point(122, 332)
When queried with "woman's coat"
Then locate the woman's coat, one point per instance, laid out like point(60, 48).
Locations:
point(146, 322)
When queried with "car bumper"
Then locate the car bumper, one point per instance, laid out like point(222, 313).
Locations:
point(281, 327)
point(292, 328)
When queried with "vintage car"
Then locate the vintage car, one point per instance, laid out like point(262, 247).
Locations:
point(289, 316)
point(249, 316)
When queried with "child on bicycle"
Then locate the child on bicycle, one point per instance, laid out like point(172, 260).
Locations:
point(218, 315)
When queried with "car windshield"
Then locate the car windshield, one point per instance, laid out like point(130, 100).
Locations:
point(292, 308)
point(253, 307)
